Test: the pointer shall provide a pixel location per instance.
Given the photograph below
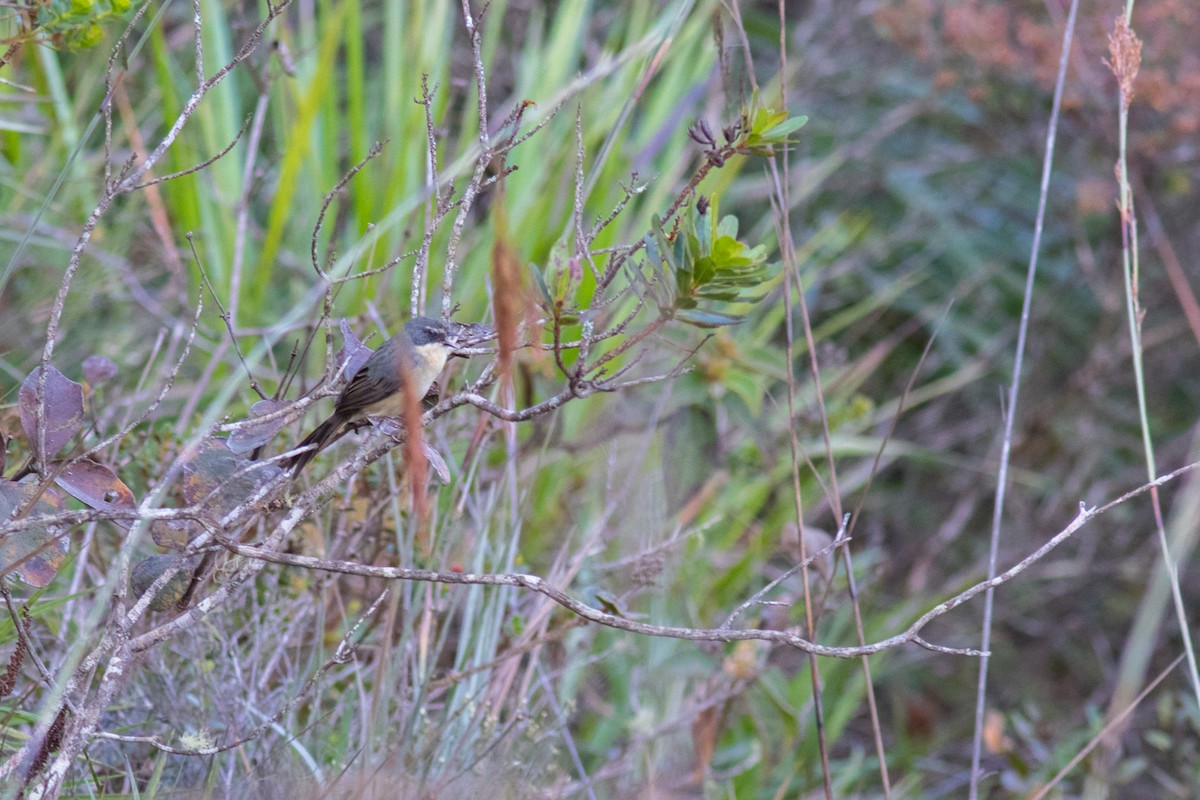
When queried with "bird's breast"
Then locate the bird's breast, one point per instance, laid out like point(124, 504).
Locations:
point(420, 364)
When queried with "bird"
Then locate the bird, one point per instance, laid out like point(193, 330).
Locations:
point(418, 353)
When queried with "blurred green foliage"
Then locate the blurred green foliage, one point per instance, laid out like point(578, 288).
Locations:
point(77, 24)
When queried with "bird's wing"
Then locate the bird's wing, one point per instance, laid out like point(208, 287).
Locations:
point(379, 378)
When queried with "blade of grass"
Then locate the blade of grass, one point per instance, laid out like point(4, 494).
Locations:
point(1125, 52)
point(1010, 409)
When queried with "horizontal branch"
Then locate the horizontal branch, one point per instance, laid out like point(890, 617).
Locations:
point(536, 584)
point(508, 414)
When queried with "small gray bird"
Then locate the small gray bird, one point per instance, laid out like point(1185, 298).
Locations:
point(418, 353)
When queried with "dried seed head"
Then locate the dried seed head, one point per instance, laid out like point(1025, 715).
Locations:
point(1125, 57)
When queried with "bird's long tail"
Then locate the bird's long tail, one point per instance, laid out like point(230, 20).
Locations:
point(315, 441)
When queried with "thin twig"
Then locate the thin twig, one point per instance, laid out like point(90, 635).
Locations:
point(198, 167)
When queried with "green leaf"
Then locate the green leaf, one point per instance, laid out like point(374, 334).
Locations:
point(695, 249)
point(636, 280)
point(562, 282)
point(703, 271)
point(766, 118)
point(679, 253)
point(728, 226)
point(724, 296)
point(780, 131)
point(703, 233)
point(683, 280)
point(666, 258)
point(540, 282)
point(707, 319)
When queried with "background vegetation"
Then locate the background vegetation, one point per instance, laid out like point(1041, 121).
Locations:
point(870, 378)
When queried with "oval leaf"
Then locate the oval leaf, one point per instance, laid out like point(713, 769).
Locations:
point(219, 481)
point(98, 487)
point(707, 319)
point(148, 570)
point(256, 434)
point(173, 534)
point(540, 282)
point(34, 554)
point(99, 369)
point(63, 415)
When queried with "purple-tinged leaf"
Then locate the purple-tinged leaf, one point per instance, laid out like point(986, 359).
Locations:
point(353, 353)
point(99, 369)
point(436, 462)
point(34, 554)
point(173, 534)
point(219, 480)
point(63, 416)
point(256, 434)
point(98, 487)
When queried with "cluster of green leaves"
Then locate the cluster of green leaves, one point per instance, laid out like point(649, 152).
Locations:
point(769, 128)
point(705, 267)
point(75, 24)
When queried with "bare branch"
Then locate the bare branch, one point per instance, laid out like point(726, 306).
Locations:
point(375, 150)
point(198, 167)
point(421, 267)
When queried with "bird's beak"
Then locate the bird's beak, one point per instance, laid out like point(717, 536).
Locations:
point(464, 336)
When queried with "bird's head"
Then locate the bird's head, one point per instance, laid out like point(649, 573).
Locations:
point(453, 336)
